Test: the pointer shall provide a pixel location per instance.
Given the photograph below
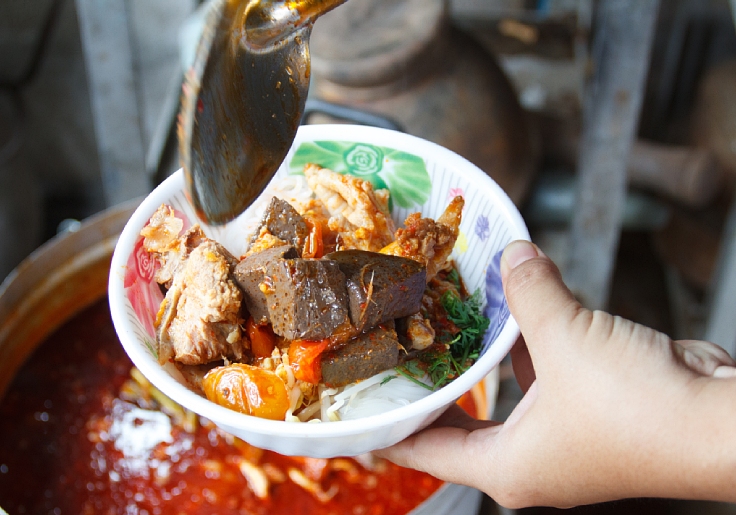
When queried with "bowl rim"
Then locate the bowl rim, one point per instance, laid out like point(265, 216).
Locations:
point(438, 399)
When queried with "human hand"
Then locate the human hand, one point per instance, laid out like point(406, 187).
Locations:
point(612, 409)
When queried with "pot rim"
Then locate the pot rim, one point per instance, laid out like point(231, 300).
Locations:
point(55, 281)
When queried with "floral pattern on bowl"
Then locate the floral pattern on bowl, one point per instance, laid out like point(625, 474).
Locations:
point(142, 291)
point(404, 174)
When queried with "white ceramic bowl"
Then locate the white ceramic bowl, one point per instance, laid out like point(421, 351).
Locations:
point(421, 176)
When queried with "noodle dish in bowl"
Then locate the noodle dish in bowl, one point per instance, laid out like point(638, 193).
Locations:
point(356, 299)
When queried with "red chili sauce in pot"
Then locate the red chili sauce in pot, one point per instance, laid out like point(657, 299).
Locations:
point(80, 435)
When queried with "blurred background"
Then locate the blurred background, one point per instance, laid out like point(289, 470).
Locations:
point(611, 124)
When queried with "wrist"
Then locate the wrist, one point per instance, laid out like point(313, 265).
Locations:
point(682, 445)
point(692, 453)
point(709, 440)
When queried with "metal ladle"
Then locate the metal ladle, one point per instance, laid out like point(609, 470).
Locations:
point(243, 100)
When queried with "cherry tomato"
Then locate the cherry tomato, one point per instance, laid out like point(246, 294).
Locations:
point(247, 389)
point(262, 339)
point(304, 357)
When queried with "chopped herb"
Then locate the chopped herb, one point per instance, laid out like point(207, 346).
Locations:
point(441, 367)
point(454, 277)
point(468, 317)
point(443, 363)
point(387, 379)
point(413, 368)
point(412, 375)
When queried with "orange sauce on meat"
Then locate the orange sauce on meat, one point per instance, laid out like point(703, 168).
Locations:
point(73, 444)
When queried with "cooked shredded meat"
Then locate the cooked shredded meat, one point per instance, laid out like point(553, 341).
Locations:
point(358, 213)
point(199, 318)
point(419, 332)
point(427, 241)
point(161, 238)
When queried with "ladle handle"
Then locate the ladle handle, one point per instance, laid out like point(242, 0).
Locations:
point(312, 9)
point(266, 22)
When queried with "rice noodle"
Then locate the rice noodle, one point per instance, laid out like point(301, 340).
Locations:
point(325, 400)
point(378, 394)
point(308, 412)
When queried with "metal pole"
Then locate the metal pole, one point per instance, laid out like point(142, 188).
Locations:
point(721, 324)
point(622, 41)
point(111, 74)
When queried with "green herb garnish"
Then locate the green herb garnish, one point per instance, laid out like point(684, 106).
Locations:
point(387, 379)
point(443, 363)
point(411, 371)
point(454, 277)
point(468, 317)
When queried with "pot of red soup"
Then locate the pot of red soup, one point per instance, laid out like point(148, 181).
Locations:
point(83, 431)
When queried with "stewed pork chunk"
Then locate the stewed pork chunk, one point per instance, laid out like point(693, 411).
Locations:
point(199, 319)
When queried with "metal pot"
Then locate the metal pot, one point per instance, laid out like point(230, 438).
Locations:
point(59, 279)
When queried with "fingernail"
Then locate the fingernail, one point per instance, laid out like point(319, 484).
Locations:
point(724, 372)
point(518, 252)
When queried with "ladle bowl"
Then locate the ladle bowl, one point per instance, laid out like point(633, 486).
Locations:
point(243, 99)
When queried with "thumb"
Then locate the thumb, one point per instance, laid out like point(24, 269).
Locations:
point(537, 297)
